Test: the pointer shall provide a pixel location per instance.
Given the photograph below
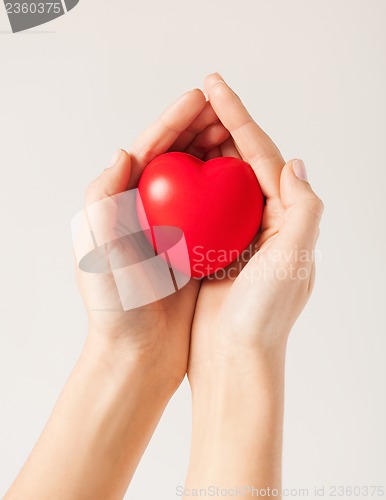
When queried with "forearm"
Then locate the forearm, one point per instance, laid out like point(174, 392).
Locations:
point(98, 430)
point(238, 423)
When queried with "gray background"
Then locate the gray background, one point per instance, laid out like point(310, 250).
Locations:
point(313, 74)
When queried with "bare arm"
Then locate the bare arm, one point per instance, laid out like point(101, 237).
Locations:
point(98, 430)
point(243, 319)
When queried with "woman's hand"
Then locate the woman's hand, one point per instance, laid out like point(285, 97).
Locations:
point(159, 331)
point(254, 302)
point(132, 361)
point(244, 314)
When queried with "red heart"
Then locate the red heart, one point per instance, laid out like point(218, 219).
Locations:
point(218, 204)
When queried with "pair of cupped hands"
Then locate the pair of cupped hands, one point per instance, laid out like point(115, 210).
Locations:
point(213, 323)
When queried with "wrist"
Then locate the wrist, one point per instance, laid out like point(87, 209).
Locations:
point(234, 365)
point(242, 383)
point(126, 361)
point(238, 420)
point(99, 428)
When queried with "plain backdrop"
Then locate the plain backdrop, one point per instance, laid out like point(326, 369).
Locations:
point(313, 74)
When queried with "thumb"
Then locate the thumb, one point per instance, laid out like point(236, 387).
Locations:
point(112, 180)
point(106, 215)
point(303, 208)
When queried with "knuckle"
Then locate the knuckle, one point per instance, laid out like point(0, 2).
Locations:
point(317, 206)
point(143, 155)
point(311, 207)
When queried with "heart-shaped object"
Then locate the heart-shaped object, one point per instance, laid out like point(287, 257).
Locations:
point(218, 204)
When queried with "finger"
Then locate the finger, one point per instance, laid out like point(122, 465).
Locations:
point(158, 138)
point(253, 143)
point(211, 137)
point(112, 180)
point(204, 119)
point(228, 148)
point(213, 153)
point(303, 208)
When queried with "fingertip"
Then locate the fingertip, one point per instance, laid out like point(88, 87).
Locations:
point(295, 187)
point(212, 80)
point(124, 156)
point(192, 99)
point(120, 156)
point(219, 93)
point(300, 170)
point(114, 158)
point(295, 168)
point(112, 180)
point(197, 90)
point(289, 184)
point(215, 76)
point(122, 167)
point(196, 94)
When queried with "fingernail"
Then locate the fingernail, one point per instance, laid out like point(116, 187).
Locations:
point(300, 170)
point(115, 158)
